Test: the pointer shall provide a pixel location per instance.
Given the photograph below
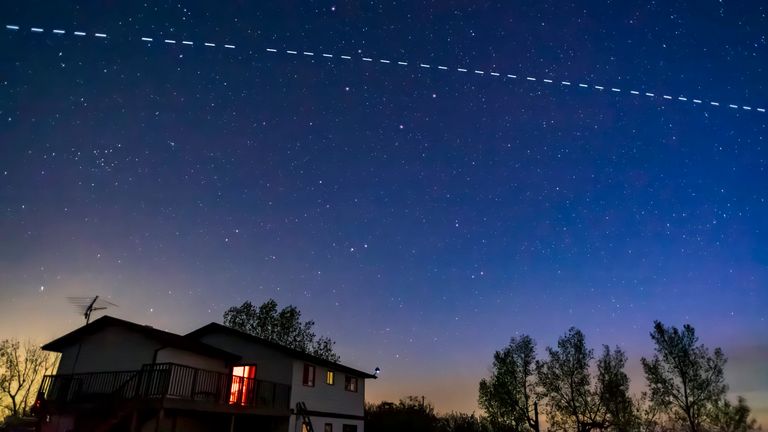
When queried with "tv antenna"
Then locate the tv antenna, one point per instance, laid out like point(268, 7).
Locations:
point(89, 305)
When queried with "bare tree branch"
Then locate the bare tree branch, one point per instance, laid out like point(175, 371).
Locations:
point(22, 366)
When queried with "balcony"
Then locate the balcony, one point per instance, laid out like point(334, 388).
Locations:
point(168, 385)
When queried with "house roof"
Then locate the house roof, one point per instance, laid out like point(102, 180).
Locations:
point(301, 355)
point(167, 339)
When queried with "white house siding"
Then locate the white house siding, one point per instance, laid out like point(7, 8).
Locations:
point(324, 397)
point(174, 355)
point(318, 423)
point(271, 365)
point(106, 351)
point(188, 421)
point(184, 423)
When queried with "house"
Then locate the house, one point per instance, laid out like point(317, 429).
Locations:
point(116, 375)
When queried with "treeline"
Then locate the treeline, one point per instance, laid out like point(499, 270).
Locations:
point(577, 391)
point(414, 413)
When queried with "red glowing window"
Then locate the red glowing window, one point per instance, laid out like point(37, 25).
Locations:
point(243, 385)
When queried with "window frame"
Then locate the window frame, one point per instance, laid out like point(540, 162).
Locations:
point(348, 380)
point(306, 380)
point(241, 392)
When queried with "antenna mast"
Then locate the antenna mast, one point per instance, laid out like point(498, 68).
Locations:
point(89, 305)
point(90, 308)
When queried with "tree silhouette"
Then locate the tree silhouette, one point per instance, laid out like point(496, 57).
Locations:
point(284, 327)
point(565, 381)
point(416, 414)
point(613, 390)
point(682, 375)
point(460, 422)
point(727, 417)
point(508, 396)
point(411, 414)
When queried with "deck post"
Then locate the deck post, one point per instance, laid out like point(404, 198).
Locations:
point(232, 424)
point(194, 384)
point(159, 418)
point(134, 421)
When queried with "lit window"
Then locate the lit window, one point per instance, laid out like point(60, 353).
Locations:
point(328, 427)
point(243, 384)
point(309, 375)
point(350, 383)
point(330, 377)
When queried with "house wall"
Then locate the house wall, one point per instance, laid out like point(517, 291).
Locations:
point(58, 423)
point(186, 422)
point(201, 421)
point(112, 349)
point(276, 366)
point(271, 365)
point(324, 397)
point(318, 423)
point(119, 349)
point(175, 355)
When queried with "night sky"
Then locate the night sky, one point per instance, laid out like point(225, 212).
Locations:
point(420, 214)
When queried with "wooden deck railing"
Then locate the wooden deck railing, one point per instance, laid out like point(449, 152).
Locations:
point(166, 380)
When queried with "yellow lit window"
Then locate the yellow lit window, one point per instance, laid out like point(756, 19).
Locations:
point(330, 377)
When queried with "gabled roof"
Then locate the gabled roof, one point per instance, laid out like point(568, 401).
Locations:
point(213, 328)
point(166, 339)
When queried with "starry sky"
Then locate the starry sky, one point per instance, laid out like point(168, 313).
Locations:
point(420, 214)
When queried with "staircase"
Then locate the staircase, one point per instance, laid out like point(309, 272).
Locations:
point(301, 409)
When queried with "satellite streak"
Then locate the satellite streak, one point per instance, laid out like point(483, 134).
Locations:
point(16, 28)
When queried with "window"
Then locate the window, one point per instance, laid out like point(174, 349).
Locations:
point(330, 377)
point(243, 384)
point(350, 384)
point(328, 427)
point(309, 375)
point(349, 428)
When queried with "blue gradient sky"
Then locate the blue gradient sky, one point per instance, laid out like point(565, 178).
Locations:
point(421, 217)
